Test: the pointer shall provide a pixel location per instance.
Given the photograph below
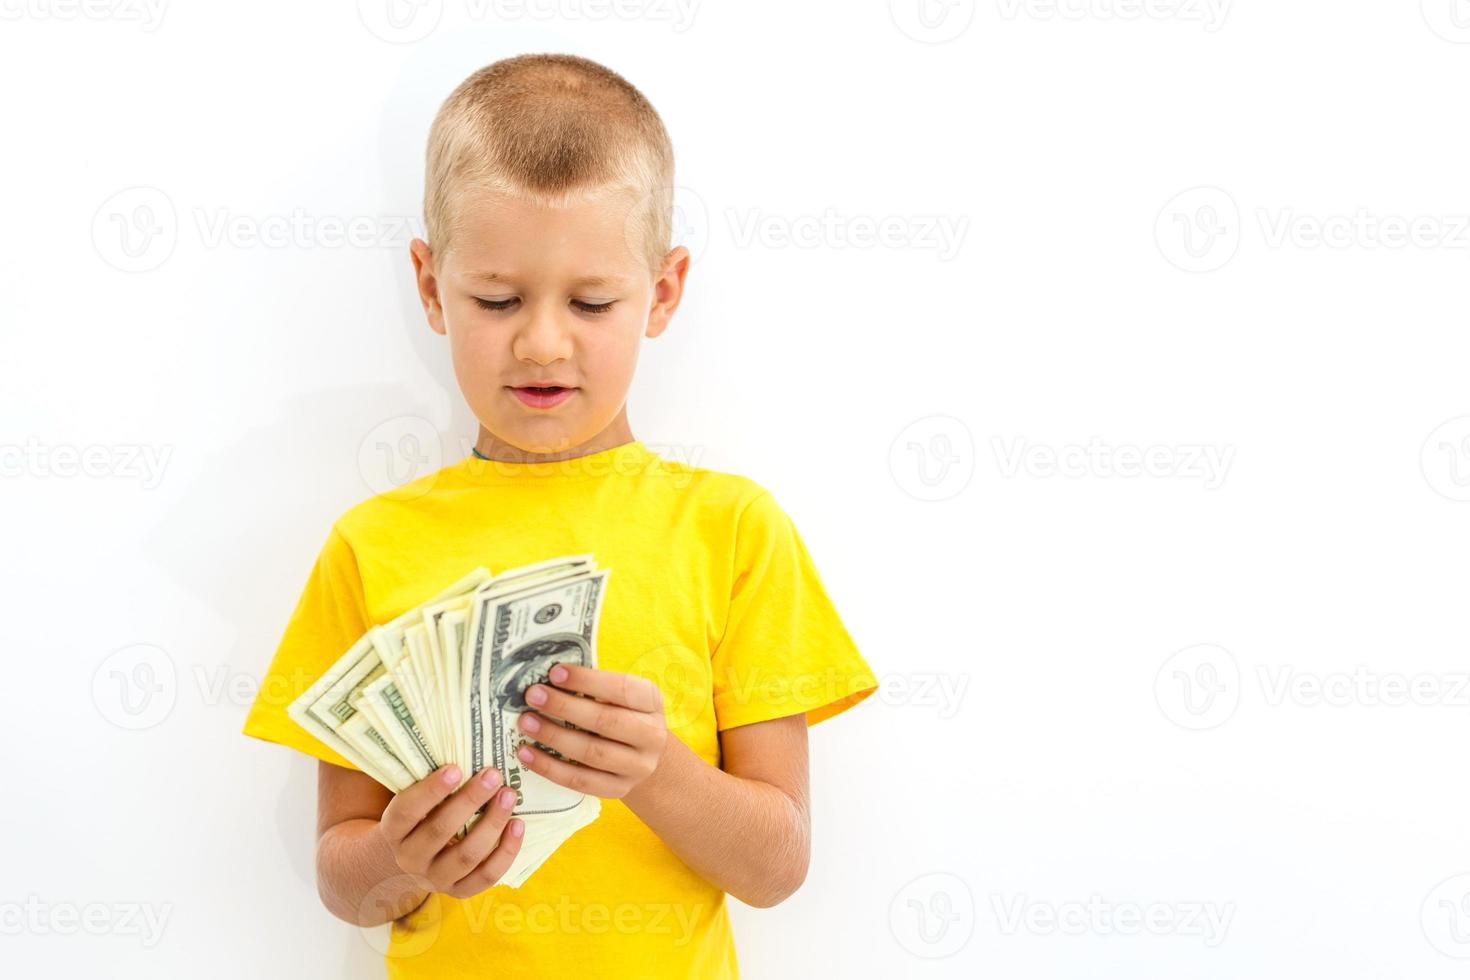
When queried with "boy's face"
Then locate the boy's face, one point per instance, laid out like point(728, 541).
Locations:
point(530, 295)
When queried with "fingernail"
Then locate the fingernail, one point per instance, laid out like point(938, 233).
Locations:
point(525, 755)
point(530, 724)
point(508, 798)
point(558, 674)
point(451, 776)
point(536, 695)
point(490, 778)
point(517, 828)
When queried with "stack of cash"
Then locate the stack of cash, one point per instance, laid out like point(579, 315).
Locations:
point(446, 681)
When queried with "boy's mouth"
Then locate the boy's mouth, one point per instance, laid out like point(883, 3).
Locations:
point(542, 396)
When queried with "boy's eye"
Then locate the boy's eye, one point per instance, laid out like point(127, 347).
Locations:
point(499, 305)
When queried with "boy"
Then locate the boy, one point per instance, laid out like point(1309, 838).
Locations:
point(548, 212)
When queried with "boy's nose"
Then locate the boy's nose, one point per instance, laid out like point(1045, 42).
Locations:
point(542, 338)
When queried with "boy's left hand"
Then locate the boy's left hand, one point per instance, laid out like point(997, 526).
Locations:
point(620, 736)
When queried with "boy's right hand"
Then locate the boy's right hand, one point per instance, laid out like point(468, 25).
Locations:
point(419, 825)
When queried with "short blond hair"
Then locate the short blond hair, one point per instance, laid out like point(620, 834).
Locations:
point(552, 129)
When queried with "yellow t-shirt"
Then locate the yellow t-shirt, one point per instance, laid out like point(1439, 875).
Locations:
point(712, 594)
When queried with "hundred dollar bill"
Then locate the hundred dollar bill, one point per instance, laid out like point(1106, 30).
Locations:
point(515, 638)
point(327, 705)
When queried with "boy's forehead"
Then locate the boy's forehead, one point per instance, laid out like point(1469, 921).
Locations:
point(499, 239)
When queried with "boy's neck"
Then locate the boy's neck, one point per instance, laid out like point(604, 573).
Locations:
point(490, 446)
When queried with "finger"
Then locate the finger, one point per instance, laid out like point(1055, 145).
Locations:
point(444, 821)
point(462, 857)
point(494, 867)
point(583, 779)
point(608, 720)
point(628, 690)
point(407, 809)
point(584, 747)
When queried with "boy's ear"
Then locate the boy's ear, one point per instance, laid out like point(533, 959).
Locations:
point(428, 283)
point(668, 290)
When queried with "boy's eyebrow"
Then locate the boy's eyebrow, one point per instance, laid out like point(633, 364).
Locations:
point(493, 277)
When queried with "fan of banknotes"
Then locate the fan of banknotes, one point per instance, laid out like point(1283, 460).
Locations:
point(446, 681)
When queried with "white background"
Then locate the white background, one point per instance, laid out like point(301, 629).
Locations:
point(1203, 719)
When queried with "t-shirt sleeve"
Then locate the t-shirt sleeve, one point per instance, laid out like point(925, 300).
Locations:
point(329, 617)
point(784, 650)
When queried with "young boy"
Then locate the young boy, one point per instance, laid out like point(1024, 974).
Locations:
point(548, 214)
